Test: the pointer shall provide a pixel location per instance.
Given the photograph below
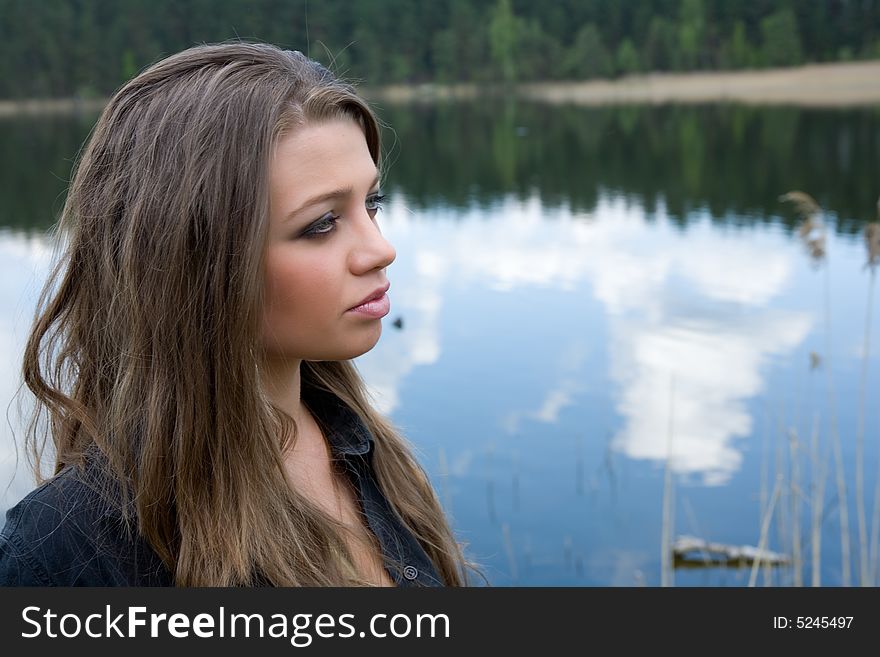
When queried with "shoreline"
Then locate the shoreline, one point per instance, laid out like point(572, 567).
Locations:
point(815, 85)
point(841, 84)
point(35, 106)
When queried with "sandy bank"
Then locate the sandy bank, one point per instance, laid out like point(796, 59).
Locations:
point(818, 85)
point(51, 106)
point(815, 85)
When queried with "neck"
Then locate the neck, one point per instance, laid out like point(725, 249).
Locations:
point(281, 381)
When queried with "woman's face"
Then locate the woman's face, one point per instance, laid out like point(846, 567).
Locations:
point(325, 252)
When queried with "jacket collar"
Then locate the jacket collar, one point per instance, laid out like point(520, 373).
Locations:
point(346, 433)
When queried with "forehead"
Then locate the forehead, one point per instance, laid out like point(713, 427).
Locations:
point(315, 157)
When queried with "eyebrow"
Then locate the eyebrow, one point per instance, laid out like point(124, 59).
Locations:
point(327, 196)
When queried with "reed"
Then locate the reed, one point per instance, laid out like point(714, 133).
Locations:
point(818, 458)
point(865, 575)
point(783, 535)
point(818, 500)
point(795, 509)
point(875, 524)
point(813, 234)
point(695, 529)
point(765, 476)
point(666, 571)
point(508, 548)
point(765, 530)
point(868, 558)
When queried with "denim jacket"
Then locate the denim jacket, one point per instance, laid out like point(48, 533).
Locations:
point(64, 533)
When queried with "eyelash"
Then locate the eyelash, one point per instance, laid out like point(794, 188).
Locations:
point(374, 200)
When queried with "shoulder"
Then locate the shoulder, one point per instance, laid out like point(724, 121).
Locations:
point(65, 533)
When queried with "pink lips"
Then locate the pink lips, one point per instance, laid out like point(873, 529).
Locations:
point(376, 308)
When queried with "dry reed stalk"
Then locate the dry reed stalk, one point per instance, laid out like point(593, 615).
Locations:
point(666, 573)
point(875, 525)
point(795, 511)
point(818, 501)
point(804, 204)
point(765, 474)
point(765, 530)
point(868, 556)
point(508, 548)
point(865, 576)
point(812, 229)
point(781, 515)
point(835, 442)
point(872, 242)
point(803, 391)
point(695, 529)
point(807, 206)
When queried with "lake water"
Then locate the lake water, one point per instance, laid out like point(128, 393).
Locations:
point(612, 333)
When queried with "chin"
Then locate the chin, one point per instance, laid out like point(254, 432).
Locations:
point(360, 352)
point(352, 350)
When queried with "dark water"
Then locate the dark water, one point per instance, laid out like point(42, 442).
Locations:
point(606, 313)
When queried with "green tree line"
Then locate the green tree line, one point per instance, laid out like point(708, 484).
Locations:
point(62, 48)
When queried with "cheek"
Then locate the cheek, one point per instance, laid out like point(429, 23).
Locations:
point(296, 289)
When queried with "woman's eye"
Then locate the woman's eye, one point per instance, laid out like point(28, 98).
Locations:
point(374, 202)
point(325, 225)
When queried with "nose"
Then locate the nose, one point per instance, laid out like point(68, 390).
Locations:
point(371, 250)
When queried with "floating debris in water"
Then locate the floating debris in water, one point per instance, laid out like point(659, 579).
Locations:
point(692, 552)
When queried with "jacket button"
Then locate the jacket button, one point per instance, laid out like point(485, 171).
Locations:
point(410, 572)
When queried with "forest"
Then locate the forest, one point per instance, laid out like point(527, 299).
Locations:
point(87, 48)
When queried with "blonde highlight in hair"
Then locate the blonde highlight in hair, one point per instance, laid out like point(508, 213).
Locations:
point(145, 350)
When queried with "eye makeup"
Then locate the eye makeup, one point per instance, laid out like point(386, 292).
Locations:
point(327, 224)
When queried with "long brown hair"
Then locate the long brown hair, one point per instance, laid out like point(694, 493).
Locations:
point(145, 349)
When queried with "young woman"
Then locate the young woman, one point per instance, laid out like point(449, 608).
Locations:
point(191, 352)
